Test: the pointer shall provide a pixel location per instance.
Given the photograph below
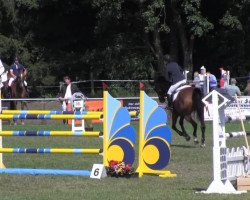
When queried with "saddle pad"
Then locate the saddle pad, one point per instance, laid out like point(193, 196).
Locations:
point(178, 90)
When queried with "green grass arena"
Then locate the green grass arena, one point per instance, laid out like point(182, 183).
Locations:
point(192, 164)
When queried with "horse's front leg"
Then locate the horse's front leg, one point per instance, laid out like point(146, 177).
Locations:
point(181, 122)
point(13, 106)
point(23, 105)
point(174, 120)
point(194, 124)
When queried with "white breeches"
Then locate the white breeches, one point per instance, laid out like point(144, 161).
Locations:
point(12, 79)
point(1, 70)
point(64, 106)
point(175, 86)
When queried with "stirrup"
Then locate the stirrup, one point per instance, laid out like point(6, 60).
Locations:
point(169, 108)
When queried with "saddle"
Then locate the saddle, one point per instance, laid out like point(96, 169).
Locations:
point(177, 91)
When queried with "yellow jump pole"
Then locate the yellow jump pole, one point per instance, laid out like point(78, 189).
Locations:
point(48, 112)
point(53, 116)
point(51, 150)
point(51, 133)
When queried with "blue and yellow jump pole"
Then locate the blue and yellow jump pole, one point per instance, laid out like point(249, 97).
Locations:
point(51, 112)
point(118, 136)
point(52, 116)
point(51, 150)
point(52, 133)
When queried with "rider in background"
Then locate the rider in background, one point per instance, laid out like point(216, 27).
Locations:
point(2, 69)
point(174, 74)
point(15, 69)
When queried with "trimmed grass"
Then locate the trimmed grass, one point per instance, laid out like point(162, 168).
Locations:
point(192, 164)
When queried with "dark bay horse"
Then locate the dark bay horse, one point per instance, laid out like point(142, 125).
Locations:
point(188, 101)
point(18, 90)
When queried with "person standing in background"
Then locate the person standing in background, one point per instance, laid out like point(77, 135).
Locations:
point(247, 89)
point(232, 89)
point(66, 92)
point(203, 78)
point(197, 81)
point(212, 81)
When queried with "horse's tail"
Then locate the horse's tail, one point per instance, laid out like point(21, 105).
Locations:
point(198, 104)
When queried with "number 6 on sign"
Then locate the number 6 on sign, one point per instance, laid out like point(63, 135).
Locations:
point(98, 171)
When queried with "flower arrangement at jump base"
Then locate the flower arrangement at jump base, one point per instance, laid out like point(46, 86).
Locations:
point(119, 169)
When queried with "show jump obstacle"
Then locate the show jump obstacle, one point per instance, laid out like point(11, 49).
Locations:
point(155, 138)
point(228, 163)
point(118, 137)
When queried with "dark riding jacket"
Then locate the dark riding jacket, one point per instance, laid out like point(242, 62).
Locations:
point(173, 73)
point(63, 89)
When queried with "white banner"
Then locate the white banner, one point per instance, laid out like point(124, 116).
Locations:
point(232, 109)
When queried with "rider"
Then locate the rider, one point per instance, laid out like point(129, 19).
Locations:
point(2, 69)
point(15, 69)
point(174, 74)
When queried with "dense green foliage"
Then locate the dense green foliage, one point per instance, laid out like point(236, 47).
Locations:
point(123, 39)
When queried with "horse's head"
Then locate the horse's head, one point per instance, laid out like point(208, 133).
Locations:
point(161, 87)
point(21, 78)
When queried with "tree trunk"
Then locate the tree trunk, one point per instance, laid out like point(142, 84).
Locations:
point(173, 49)
point(158, 52)
point(186, 43)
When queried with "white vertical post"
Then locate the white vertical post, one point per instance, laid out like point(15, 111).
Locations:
point(1, 139)
point(220, 183)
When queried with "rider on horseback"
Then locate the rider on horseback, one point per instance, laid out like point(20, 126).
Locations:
point(174, 74)
point(15, 69)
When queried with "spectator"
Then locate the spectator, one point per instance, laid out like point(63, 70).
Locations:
point(66, 91)
point(212, 81)
point(247, 89)
point(203, 78)
point(232, 89)
point(197, 81)
point(202, 75)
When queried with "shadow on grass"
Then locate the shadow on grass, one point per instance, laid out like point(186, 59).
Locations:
point(183, 146)
point(199, 189)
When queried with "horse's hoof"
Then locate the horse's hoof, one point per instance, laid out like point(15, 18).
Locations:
point(187, 138)
point(196, 141)
point(203, 145)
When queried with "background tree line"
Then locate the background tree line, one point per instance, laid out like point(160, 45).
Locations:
point(123, 39)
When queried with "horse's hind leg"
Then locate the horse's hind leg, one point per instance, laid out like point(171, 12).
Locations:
point(200, 113)
point(181, 122)
point(194, 124)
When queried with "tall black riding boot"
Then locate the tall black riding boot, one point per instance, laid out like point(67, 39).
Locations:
point(170, 101)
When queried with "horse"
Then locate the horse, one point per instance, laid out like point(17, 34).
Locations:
point(188, 101)
point(17, 90)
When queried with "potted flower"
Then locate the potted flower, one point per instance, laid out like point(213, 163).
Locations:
point(119, 169)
